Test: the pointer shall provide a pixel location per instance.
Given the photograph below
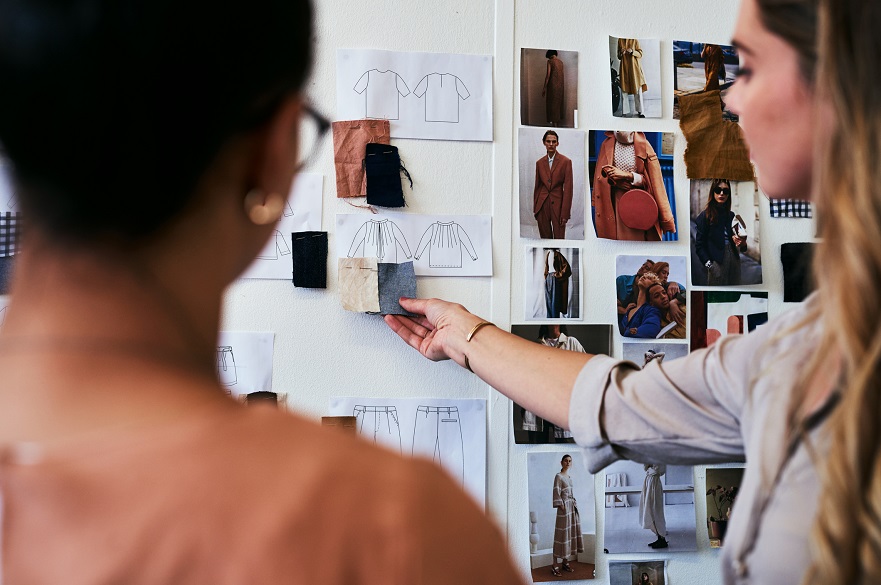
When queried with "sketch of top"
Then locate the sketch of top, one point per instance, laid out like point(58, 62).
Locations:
point(380, 240)
point(445, 242)
point(382, 90)
point(280, 248)
point(442, 92)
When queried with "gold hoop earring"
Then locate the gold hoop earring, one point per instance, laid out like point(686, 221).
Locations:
point(263, 208)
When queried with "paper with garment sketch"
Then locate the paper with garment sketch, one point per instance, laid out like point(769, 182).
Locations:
point(450, 432)
point(244, 361)
point(436, 96)
point(302, 212)
point(4, 302)
point(438, 245)
point(7, 192)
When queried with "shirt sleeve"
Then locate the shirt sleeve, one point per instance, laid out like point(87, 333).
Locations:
point(421, 87)
point(682, 412)
point(402, 87)
point(361, 85)
point(462, 90)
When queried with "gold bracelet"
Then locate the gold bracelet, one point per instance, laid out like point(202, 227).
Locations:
point(468, 337)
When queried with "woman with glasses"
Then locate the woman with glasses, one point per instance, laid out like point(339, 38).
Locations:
point(716, 243)
point(154, 145)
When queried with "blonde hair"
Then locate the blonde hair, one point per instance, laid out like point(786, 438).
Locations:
point(846, 538)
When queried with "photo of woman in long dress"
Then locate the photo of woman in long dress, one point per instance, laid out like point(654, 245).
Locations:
point(567, 532)
point(552, 90)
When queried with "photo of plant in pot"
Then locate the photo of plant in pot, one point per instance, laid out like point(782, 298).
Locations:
point(722, 487)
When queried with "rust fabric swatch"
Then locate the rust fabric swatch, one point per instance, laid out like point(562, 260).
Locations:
point(350, 140)
point(716, 148)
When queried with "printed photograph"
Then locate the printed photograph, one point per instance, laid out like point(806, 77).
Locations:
point(636, 77)
point(700, 67)
point(593, 339)
point(633, 197)
point(651, 297)
point(643, 354)
point(552, 187)
point(562, 521)
point(725, 233)
point(723, 483)
point(548, 87)
point(715, 314)
point(638, 572)
point(552, 284)
point(649, 507)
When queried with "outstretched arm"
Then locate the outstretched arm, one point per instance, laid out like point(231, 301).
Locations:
point(536, 377)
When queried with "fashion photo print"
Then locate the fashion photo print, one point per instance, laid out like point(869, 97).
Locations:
point(638, 572)
point(592, 339)
point(725, 233)
point(548, 88)
point(651, 297)
point(649, 508)
point(551, 183)
point(702, 67)
point(552, 284)
point(636, 77)
point(562, 520)
point(715, 314)
point(632, 195)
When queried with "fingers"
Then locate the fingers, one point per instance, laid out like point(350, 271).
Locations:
point(412, 333)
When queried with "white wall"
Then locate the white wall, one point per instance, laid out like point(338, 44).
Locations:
point(321, 350)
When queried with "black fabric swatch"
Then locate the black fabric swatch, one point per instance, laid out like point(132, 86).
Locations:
point(798, 281)
point(6, 263)
point(383, 166)
point(309, 254)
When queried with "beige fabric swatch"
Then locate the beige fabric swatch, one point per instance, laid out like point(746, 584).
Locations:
point(716, 149)
point(359, 284)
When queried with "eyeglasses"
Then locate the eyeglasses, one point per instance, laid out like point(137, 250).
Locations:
point(313, 130)
point(722, 190)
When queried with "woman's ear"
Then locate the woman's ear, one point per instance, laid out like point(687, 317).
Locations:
point(275, 153)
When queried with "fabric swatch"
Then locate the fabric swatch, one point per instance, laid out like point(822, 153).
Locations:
point(396, 281)
point(716, 149)
point(383, 167)
point(359, 284)
point(6, 263)
point(309, 259)
point(350, 140)
point(791, 208)
point(798, 281)
point(10, 233)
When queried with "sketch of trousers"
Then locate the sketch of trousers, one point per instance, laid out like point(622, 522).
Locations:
point(226, 366)
point(379, 425)
point(438, 434)
point(350, 140)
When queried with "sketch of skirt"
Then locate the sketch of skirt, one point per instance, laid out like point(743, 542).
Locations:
point(379, 425)
point(438, 434)
point(226, 366)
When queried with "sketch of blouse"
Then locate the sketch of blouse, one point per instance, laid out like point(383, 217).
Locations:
point(380, 240)
point(445, 242)
point(442, 92)
point(277, 246)
point(382, 91)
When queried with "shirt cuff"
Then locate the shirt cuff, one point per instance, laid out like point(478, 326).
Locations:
point(637, 179)
point(585, 410)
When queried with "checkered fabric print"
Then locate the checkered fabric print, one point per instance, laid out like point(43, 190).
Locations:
point(10, 233)
point(790, 208)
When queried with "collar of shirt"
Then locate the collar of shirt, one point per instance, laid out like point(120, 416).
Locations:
point(551, 160)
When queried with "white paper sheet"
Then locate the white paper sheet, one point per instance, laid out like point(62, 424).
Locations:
point(302, 213)
point(4, 301)
point(450, 432)
point(244, 361)
point(439, 96)
point(7, 194)
point(438, 245)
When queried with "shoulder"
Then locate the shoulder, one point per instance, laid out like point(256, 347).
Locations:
point(563, 158)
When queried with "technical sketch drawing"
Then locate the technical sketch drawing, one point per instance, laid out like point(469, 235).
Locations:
point(380, 425)
point(445, 242)
point(442, 92)
point(288, 211)
point(382, 91)
point(438, 434)
point(226, 366)
point(379, 239)
point(2, 315)
point(281, 248)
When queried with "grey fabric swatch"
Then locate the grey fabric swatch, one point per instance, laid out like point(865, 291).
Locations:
point(5, 273)
point(395, 281)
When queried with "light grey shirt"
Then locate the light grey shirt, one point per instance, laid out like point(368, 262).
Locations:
point(725, 403)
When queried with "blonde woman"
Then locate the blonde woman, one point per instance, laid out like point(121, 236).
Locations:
point(799, 398)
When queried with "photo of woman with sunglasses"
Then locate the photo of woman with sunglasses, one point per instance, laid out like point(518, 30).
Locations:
point(720, 234)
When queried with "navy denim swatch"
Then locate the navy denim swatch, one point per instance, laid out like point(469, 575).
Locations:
point(383, 166)
point(5, 273)
point(395, 281)
point(310, 259)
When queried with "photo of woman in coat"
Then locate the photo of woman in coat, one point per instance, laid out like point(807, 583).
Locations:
point(632, 78)
point(567, 532)
point(719, 237)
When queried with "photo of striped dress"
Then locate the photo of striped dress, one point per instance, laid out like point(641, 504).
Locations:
point(567, 532)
